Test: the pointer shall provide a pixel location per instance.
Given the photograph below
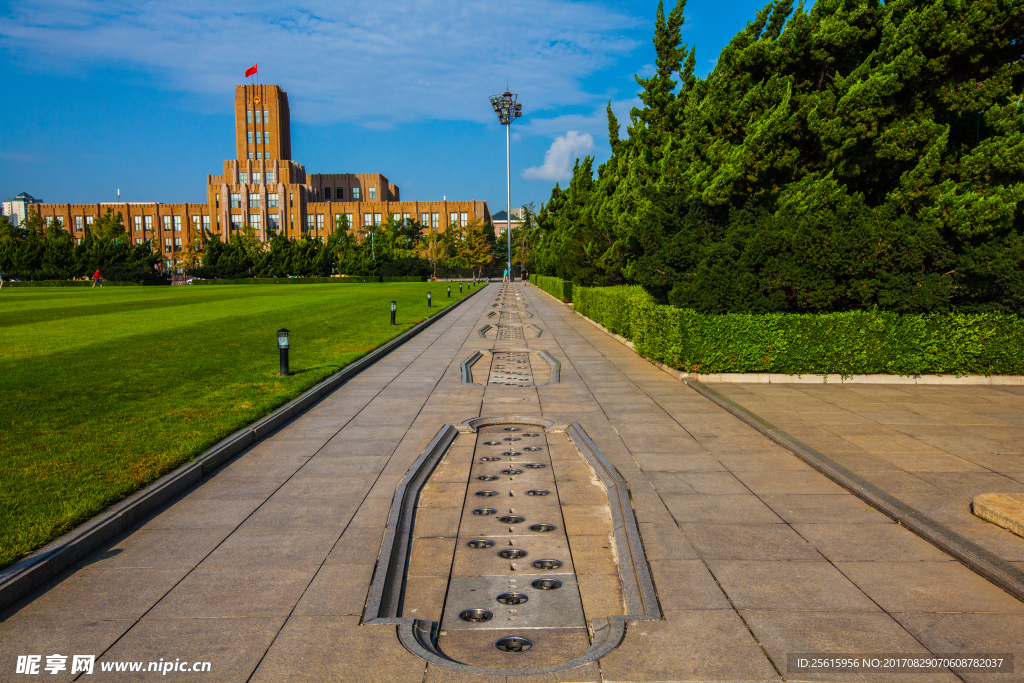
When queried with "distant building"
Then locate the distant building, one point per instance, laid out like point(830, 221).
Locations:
point(17, 209)
point(263, 187)
point(501, 221)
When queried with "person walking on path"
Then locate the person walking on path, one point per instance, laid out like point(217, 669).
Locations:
point(1, 278)
point(505, 276)
point(96, 277)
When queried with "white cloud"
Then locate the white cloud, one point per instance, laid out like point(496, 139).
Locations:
point(368, 61)
point(561, 156)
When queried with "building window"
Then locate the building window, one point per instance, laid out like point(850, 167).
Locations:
point(177, 224)
point(243, 178)
point(58, 221)
point(266, 116)
point(319, 221)
point(250, 156)
point(78, 224)
point(270, 177)
point(168, 265)
point(453, 219)
point(177, 244)
point(368, 220)
point(89, 220)
point(255, 221)
point(254, 200)
point(291, 199)
point(463, 219)
point(405, 218)
point(216, 199)
point(206, 222)
point(327, 193)
point(425, 220)
point(340, 193)
point(258, 116)
point(236, 221)
point(256, 178)
point(373, 193)
point(78, 240)
point(236, 201)
point(195, 223)
point(309, 221)
point(266, 137)
point(272, 200)
point(273, 223)
point(149, 223)
point(167, 245)
point(250, 137)
point(435, 220)
point(355, 193)
point(376, 219)
point(259, 156)
point(138, 224)
point(348, 217)
point(138, 240)
point(248, 116)
point(167, 223)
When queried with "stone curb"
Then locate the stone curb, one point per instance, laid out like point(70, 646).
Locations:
point(1004, 509)
point(40, 566)
point(981, 561)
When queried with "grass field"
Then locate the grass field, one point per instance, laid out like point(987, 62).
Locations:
point(102, 391)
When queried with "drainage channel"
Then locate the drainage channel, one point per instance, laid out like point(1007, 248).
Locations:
point(511, 549)
point(513, 586)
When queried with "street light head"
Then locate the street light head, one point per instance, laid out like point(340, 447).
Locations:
point(505, 107)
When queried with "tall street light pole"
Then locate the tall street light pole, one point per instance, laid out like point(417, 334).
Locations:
point(507, 109)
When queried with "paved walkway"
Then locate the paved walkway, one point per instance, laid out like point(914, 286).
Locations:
point(263, 570)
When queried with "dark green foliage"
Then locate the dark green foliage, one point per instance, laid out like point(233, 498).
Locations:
point(41, 251)
point(847, 343)
point(851, 156)
point(556, 287)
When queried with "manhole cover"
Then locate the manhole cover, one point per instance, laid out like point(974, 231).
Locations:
point(547, 564)
point(512, 554)
point(531, 434)
point(513, 598)
point(493, 443)
point(512, 438)
point(532, 448)
point(511, 453)
point(513, 644)
point(486, 494)
point(511, 519)
point(490, 458)
point(534, 466)
point(537, 492)
point(487, 477)
point(481, 543)
point(476, 615)
point(485, 511)
point(542, 527)
point(546, 584)
point(510, 472)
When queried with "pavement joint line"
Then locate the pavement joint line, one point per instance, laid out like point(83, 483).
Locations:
point(983, 562)
point(34, 570)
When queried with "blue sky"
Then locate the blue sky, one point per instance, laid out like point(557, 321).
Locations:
point(138, 95)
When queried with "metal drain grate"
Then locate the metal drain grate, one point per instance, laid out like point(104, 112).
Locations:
point(510, 369)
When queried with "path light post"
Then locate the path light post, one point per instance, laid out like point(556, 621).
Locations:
point(507, 109)
point(449, 291)
point(460, 288)
point(282, 345)
point(394, 307)
point(428, 299)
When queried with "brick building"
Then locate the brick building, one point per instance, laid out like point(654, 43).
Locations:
point(263, 187)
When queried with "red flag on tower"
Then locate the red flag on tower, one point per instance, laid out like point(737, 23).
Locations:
point(251, 70)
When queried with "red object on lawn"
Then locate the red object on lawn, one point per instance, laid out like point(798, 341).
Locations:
point(251, 70)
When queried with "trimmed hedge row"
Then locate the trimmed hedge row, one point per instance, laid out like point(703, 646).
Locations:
point(79, 283)
point(556, 287)
point(312, 280)
point(851, 343)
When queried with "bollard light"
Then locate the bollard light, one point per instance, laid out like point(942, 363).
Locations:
point(282, 345)
point(394, 307)
point(460, 288)
point(428, 299)
point(449, 291)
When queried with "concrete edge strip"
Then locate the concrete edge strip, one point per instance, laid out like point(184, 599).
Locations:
point(536, 330)
point(40, 566)
point(983, 562)
point(483, 331)
point(419, 636)
point(978, 559)
point(642, 598)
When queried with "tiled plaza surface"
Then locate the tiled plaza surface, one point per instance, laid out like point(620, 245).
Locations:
point(263, 569)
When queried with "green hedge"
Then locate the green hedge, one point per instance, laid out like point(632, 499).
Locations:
point(77, 283)
point(556, 287)
point(405, 278)
point(294, 280)
point(852, 343)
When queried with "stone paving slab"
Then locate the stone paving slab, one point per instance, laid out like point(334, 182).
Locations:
point(264, 569)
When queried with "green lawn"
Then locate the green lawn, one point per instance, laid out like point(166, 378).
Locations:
point(102, 391)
